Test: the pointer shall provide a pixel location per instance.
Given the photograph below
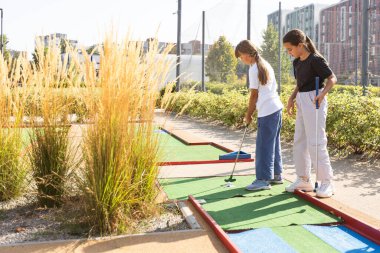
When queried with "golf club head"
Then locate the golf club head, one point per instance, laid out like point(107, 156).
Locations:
point(230, 179)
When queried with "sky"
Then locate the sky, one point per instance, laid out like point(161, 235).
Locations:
point(88, 20)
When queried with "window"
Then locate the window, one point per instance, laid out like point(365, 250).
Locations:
point(342, 23)
point(327, 52)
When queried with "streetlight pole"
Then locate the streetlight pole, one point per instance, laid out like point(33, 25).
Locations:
point(365, 45)
point(248, 31)
point(279, 47)
point(2, 39)
point(178, 67)
point(356, 41)
point(203, 50)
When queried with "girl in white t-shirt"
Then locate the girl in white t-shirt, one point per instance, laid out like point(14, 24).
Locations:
point(264, 99)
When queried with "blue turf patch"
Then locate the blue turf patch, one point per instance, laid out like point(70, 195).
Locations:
point(260, 240)
point(233, 155)
point(343, 239)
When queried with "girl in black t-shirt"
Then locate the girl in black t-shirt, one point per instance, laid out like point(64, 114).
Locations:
point(310, 141)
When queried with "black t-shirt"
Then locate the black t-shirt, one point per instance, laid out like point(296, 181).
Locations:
point(305, 72)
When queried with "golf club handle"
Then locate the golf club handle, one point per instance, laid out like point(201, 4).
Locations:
point(316, 91)
point(241, 145)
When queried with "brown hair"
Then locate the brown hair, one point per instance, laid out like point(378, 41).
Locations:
point(247, 47)
point(296, 36)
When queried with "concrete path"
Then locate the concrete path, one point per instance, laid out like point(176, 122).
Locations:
point(357, 183)
point(206, 170)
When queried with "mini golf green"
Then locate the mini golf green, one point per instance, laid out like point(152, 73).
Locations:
point(173, 150)
point(302, 240)
point(25, 134)
point(235, 208)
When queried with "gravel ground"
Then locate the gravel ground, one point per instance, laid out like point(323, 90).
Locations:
point(21, 220)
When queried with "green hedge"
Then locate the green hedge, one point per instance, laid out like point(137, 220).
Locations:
point(215, 87)
point(353, 122)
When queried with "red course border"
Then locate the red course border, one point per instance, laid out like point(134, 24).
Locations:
point(203, 162)
point(352, 223)
point(217, 229)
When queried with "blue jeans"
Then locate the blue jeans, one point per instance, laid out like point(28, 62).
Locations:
point(268, 147)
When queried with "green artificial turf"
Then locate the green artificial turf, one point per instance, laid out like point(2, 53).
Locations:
point(235, 208)
point(173, 150)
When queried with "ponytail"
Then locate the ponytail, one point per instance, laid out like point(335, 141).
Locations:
point(311, 47)
point(247, 47)
point(263, 74)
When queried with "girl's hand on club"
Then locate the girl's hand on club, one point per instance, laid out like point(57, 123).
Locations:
point(290, 106)
point(248, 119)
point(320, 98)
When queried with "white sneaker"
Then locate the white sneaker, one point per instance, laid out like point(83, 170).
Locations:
point(300, 184)
point(326, 190)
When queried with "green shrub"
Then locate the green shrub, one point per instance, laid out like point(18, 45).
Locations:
point(356, 90)
point(352, 126)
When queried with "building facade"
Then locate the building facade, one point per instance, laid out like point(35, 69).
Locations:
point(341, 39)
point(305, 18)
point(57, 38)
point(273, 18)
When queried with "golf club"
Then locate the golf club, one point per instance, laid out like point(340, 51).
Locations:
point(231, 179)
point(316, 133)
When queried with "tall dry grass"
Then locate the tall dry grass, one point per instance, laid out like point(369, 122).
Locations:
point(121, 150)
point(51, 154)
point(12, 169)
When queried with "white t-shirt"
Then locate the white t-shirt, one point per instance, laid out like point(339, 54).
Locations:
point(268, 101)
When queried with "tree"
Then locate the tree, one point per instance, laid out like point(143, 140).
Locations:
point(94, 49)
point(221, 62)
point(241, 70)
point(6, 52)
point(270, 53)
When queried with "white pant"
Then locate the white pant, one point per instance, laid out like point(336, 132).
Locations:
point(306, 141)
